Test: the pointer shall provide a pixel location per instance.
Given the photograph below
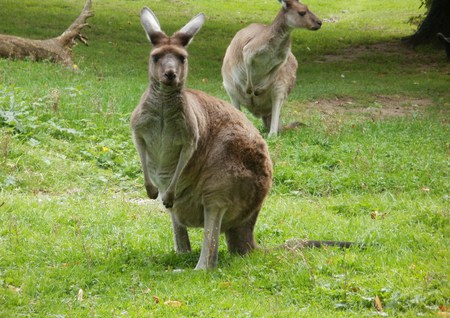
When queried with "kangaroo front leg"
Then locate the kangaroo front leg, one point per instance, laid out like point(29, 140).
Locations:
point(152, 191)
point(212, 224)
point(249, 85)
point(185, 155)
point(180, 235)
point(248, 56)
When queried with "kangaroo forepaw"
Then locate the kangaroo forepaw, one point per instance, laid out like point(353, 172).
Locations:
point(152, 191)
point(258, 92)
point(167, 199)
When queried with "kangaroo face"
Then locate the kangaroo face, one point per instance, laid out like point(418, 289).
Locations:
point(168, 59)
point(299, 16)
point(168, 65)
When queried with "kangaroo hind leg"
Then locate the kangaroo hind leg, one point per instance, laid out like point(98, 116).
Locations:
point(180, 235)
point(212, 225)
point(240, 240)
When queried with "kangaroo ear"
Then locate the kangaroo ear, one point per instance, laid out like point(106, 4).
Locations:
point(284, 3)
point(151, 25)
point(187, 32)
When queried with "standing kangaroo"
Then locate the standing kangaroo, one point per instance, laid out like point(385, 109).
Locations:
point(205, 160)
point(259, 69)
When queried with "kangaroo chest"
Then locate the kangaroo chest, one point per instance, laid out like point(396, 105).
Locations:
point(165, 133)
point(266, 62)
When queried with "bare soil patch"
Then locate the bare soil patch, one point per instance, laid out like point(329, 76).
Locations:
point(381, 108)
point(382, 48)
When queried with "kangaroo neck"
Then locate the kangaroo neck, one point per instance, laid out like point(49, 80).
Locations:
point(167, 96)
point(280, 31)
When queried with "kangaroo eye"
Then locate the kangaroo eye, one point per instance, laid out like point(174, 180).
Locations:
point(182, 59)
point(155, 58)
point(302, 13)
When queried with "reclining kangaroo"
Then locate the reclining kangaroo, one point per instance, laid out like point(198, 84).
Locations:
point(208, 163)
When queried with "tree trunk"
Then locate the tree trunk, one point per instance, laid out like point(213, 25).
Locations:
point(58, 49)
point(436, 21)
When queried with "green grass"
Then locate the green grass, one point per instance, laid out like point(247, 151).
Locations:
point(74, 214)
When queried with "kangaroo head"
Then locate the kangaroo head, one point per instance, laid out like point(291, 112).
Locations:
point(168, 58)
point(298, 15)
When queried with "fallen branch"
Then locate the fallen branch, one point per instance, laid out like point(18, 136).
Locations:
point(58, 49)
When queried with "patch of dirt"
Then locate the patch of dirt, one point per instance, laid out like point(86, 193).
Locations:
point(380, 108)
point(382, 48)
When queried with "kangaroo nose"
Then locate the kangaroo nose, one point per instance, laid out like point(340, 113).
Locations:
point(170, 75)
point(318, 25)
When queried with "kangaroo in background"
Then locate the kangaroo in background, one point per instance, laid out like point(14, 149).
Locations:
point(203, 157)
point(259, 69)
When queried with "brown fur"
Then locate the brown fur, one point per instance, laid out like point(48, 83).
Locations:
point(259, 70)
point(206, 161)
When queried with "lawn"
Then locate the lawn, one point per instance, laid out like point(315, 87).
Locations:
point(370, 164)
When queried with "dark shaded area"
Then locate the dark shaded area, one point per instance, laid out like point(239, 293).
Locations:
point(446, 42)
point(436, 21)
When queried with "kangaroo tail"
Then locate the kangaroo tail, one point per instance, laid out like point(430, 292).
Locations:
point(294, 244)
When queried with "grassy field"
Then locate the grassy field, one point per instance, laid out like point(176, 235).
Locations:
point(78, 238)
